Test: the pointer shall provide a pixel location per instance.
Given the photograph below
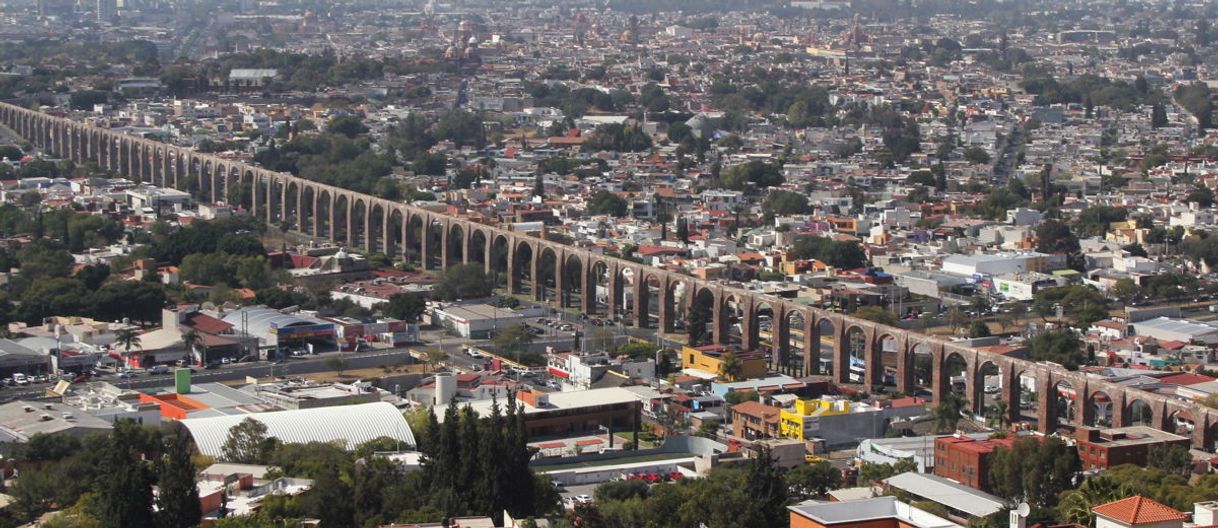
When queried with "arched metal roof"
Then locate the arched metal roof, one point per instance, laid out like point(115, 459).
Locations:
point(352, 424)
point(261, 319)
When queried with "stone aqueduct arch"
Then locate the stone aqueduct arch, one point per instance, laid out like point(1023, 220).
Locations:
point(212, 177)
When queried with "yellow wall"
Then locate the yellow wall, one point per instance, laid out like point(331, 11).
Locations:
point(696, 359)
point(791, 422)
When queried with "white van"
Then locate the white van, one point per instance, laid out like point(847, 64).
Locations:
point(20, 379)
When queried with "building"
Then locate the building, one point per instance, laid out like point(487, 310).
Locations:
point(279, 330)
point(106, 10)
point(241, 488)
point(351, 425)
point(961, 501)
point(20, 420)
point(839, 422)
point(477, 321)
point(753, 420)
point(1172, 329)
point(1105, 448)
point(996, 264)
point(707, 361)
point(15, 358)
point(776, 384)
point(291, 395)
point(879, 512)
point(1137, 511)
point(920, 449)
point(966, 459)
point(570, 413)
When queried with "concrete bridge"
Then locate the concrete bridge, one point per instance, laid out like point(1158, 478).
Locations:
point(568, 276)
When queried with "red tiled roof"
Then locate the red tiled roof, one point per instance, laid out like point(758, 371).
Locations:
point(757, 409)
point(207, 324)
point(1138, 510)
point(1185, 378)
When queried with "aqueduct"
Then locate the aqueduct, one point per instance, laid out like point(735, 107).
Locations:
point(569, 276)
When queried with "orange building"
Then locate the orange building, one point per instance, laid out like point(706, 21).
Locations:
point(173, 406)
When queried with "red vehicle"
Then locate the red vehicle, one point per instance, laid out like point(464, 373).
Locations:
point(675, 475)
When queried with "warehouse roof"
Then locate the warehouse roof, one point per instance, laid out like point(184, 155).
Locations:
point(948, 493)
point(261, 319)
point(352, 424)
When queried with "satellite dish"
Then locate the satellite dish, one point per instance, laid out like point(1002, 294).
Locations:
point(1023, 510)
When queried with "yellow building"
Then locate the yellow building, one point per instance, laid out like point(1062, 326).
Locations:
point(804, 416)
point(710, 359)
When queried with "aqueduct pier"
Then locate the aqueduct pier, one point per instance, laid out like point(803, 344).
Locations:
point(561, 274)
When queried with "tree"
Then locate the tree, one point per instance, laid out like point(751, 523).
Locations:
point(93, 276)
point(947, 413)
point(877, 314)
point(765, 486)
point(1204, 196)
point(464, 281)
point(127, 338)
point(405, 306)
point(346, 125)
point(780, 202)
point(976, 155)
point(813, 480)
point(997, 415)
point(750, 177)
point(1034, 470)
point(1173, 459)
point(462, 128)
point(1055, 237)
point(433, 356)
point(247, 443)
point(872, 473)
point(603, 202)
point(539, 186)
point(1060, 346)
point(86, 99)
point(178, 495)
point(682, 230)
point(124, 495)
point(513, 341)
point(1158, 115)
point(839, 254)
point(730, 366)
point(336, 363)
point(332, 501)
point(1075, 505)
point(1125, 290)
point(429, 163)
point(979, 329)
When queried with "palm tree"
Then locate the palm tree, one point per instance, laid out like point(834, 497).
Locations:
point(730, 366)
point(128, 339)
point(947, 413)
point(1076, 504)
point(997, 414)
point(189, 339)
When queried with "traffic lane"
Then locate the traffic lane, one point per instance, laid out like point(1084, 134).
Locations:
point(311, 365)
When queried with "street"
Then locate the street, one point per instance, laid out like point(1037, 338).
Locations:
point(307, 365)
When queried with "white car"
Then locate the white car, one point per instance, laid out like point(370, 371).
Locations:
point(581, 499)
